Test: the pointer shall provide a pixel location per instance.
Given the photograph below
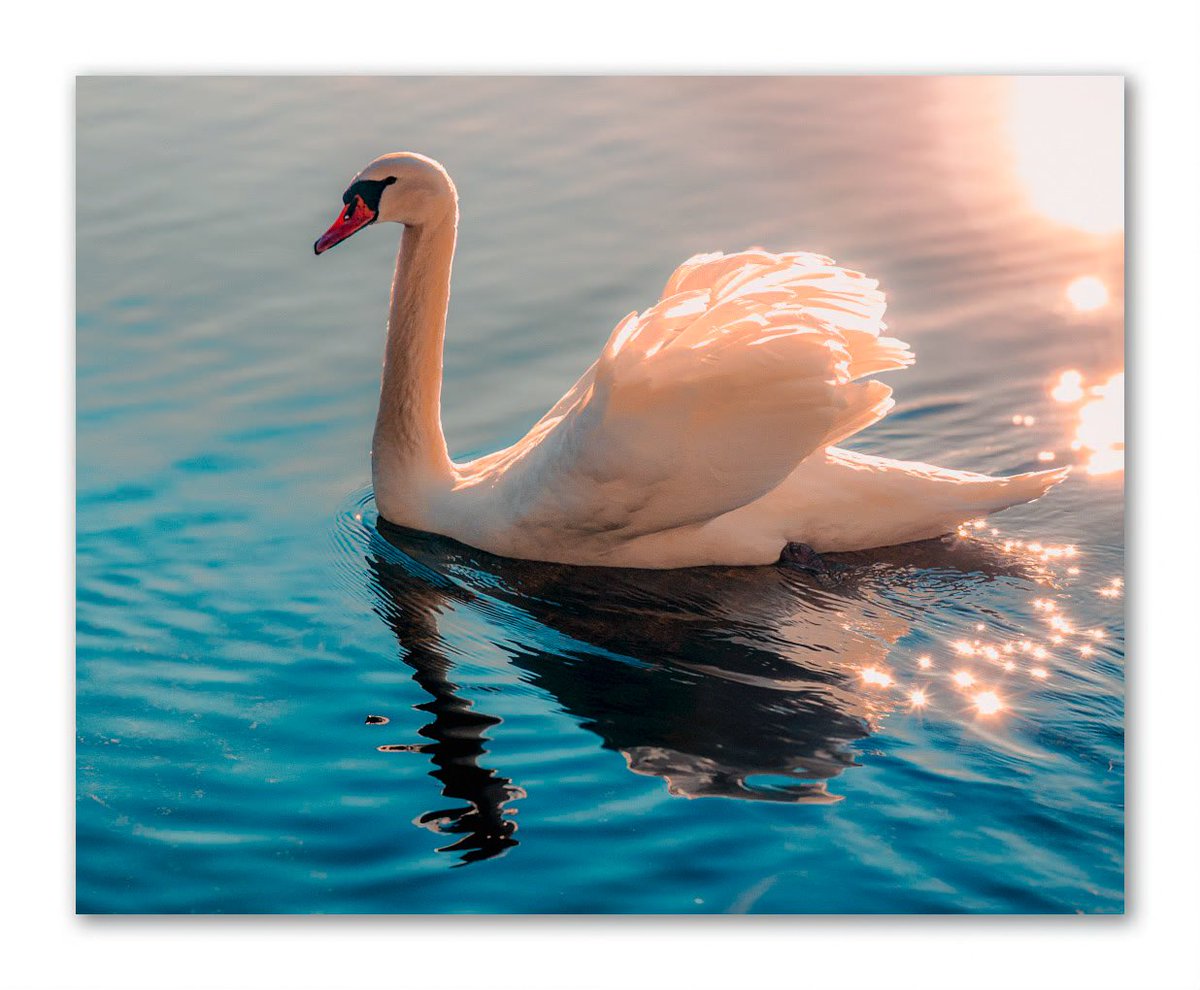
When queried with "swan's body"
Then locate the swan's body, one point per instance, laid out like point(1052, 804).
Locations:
point(703, 434)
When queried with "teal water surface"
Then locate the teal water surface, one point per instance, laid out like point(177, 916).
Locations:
point(549, 739)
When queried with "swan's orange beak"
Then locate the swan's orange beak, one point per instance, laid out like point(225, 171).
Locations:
point(354, 217)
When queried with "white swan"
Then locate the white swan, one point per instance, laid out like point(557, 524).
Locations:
point(703, 434)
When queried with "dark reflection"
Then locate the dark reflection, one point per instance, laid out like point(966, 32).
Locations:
point(410, 605)
point(731, 682)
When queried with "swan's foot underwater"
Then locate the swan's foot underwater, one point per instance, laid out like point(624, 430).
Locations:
point(802, 557)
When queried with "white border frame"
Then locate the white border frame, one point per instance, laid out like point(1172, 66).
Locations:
point(1154, 43)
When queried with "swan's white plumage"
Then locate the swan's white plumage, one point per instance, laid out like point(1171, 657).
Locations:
point(703, 434)
point(684, 442)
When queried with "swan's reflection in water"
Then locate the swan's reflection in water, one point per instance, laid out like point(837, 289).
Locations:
point(729, 682)
point(458, 733)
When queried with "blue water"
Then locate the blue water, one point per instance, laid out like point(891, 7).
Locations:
point(563, 740)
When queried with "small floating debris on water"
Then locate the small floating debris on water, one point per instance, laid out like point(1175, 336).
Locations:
point(377, 720)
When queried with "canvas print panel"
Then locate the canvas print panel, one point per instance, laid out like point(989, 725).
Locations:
point(736, 525)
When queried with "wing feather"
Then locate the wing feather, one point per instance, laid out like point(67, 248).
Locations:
point(705, 401)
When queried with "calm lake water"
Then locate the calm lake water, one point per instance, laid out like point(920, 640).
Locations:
point(563, 740)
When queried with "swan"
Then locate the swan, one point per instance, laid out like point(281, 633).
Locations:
point(705, 433)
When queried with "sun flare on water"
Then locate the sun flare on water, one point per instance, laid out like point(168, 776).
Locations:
point(1068, 141)
point(1087, 293)
point(1100, 427)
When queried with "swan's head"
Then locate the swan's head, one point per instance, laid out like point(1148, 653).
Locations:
point(403, 187)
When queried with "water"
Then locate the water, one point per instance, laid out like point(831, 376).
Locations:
point(570, 740)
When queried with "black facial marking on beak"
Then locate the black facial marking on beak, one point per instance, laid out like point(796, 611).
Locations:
point(361, 202)
point(371, 191)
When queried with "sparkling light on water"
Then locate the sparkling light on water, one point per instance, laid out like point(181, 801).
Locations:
point(988, 702)
point(1069, 387)
point(877, 677)
point(1101, 430)
point(1087, 293)
point(1011, 655)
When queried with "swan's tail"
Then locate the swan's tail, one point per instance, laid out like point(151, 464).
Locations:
point(993, 494)
point(853, 501)
point(950, 499)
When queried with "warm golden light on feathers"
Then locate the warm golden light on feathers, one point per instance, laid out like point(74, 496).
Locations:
point(705, 433)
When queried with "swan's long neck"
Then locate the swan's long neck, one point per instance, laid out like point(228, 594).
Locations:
point(409, 460)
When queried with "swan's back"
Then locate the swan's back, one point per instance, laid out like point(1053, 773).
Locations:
point(698, 405)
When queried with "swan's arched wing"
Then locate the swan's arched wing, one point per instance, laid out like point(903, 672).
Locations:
point(704, 402)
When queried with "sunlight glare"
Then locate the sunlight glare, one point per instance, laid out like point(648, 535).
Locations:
point(988, 702)
point(1087, 293)
point(1069, 142)
point(876, 677)
point(1069, 387)
point(1101, 430)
